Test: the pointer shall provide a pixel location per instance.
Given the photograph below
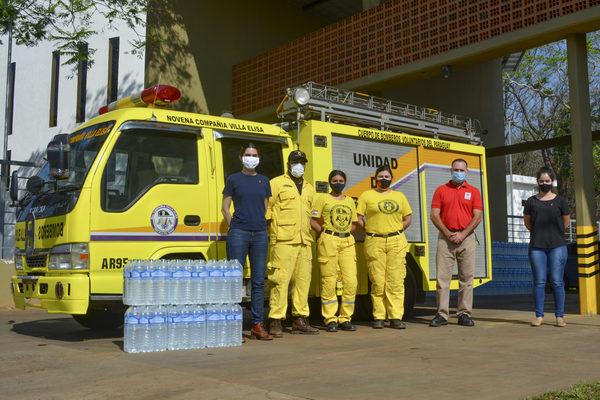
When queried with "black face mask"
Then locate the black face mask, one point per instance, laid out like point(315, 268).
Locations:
point(337, 187)
point(384, 183)
point(545, 187)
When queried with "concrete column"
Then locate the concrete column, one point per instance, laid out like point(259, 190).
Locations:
point(581, 141)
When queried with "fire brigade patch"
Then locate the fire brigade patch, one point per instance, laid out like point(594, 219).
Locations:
point(164, 220)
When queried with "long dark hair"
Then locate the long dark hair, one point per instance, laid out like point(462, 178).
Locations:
point(337, 172)
point(248, 145)
point(545, 170)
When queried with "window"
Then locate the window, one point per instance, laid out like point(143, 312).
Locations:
point(113, 70)
point(142, 159)
point(11, 97)
point(54, 88)
point(82, 67)
point(271, 162)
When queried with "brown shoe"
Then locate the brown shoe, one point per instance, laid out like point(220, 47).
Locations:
point(258, 332)
point(275, 328)
point(301, 325)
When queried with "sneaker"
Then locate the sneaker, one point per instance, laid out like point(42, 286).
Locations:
point(539, 321)
point(438, 320)
point(465, 320)
point(347, 326)
point(560, 322)
point(397, 324)
point(332, 327)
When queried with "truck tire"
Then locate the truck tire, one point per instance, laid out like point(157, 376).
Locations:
point(101, 318)
point(364, 305)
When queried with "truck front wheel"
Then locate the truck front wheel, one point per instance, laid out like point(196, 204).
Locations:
point(101, 317)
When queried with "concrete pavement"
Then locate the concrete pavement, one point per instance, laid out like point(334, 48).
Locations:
point(45, 356)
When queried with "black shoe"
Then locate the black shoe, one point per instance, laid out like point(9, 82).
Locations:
point(377, 324)
point(438, 321)
point(465, 320)
point(332, 327)
point(397, 324)
point(347, 326)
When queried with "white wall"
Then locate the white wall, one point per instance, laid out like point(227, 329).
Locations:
point(31, 131)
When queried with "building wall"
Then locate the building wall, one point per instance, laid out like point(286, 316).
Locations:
point(204, 40)
point(31, 130)
point(386, 37)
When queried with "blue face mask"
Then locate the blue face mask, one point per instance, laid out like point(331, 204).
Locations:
point(459, 177)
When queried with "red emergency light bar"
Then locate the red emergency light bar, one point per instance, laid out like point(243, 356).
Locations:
point(156, 96)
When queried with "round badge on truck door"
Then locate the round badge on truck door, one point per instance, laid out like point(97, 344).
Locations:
point(164, 220)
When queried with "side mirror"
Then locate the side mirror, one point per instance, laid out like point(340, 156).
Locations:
point(14, 186)
point(58, 154)
point(34, 185)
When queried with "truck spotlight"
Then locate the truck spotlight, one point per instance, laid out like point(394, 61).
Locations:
point(301, 96)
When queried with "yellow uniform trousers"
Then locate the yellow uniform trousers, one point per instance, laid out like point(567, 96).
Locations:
point(289, 263)
point(333, 251)
point(386, 261)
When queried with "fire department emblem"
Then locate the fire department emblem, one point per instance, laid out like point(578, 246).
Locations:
point(164, 220)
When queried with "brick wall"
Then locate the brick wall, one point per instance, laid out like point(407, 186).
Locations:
point(395, 33)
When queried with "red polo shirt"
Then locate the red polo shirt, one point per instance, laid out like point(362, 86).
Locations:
point(456, 204)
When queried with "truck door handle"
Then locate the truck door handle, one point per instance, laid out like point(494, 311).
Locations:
point(191, 220)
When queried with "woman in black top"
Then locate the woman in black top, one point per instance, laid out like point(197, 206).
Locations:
point(547, 215)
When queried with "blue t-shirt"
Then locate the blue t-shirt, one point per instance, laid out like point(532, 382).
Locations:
point(248, 193)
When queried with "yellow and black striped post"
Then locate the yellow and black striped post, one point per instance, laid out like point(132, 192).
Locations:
point(583, 171)
point(588, 259)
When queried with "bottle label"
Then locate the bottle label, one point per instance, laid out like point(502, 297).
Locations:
point(160, 274)
point(236, 273)
point(135, 274)
point(158, 319)
point(203, 274)
point(238, 317)
point(145, 274)
point(216, 272)
point(181, 274)
point(187, 318)
point(143, 320)
point(214, 317)
point(200, 318)
point(230, 317)
point(131, 320)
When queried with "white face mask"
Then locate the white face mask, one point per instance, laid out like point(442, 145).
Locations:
point(297, 170)
point(250, 162)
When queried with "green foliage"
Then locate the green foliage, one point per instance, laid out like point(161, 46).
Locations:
point(536, 101)
point(67, 23)
point(582, 391)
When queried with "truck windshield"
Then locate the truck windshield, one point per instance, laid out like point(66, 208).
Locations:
point(85, 145)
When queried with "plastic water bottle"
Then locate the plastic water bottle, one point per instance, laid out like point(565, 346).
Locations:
point(133, 287)
point(158, 328)
point(150, 284)
point(199, 328)
point(173, 328)
point(144, 290)
point(236, 281)
point(199, 282)
point(182, 281)
point(212, 322)
point(223, 311)
point(161, 282)
point(127, 284)
point(227, 280)
point(236, 331)
point(212, 282)
point(144, 330)
point(187, 322)
point(131, 334)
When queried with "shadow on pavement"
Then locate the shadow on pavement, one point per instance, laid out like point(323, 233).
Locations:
point(63, 329)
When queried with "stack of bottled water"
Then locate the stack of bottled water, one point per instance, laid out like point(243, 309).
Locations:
point(182, 304)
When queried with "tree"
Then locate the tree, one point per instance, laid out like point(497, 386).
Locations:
point(67, 23)
point(536, 101)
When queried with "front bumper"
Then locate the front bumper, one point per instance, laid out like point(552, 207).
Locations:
point(41, 292)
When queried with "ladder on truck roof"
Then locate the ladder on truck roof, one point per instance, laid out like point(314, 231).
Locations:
point(332, 104)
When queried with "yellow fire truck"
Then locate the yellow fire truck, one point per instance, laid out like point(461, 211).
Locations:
point(141, 182)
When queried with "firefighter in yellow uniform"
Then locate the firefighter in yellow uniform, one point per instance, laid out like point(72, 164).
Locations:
point(334, 218)
point(290, 242)
point(387, 214)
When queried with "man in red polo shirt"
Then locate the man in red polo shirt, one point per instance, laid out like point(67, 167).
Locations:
point(456, 210)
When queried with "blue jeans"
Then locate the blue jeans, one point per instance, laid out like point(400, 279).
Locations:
point(546, 262)
point(242, 243)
